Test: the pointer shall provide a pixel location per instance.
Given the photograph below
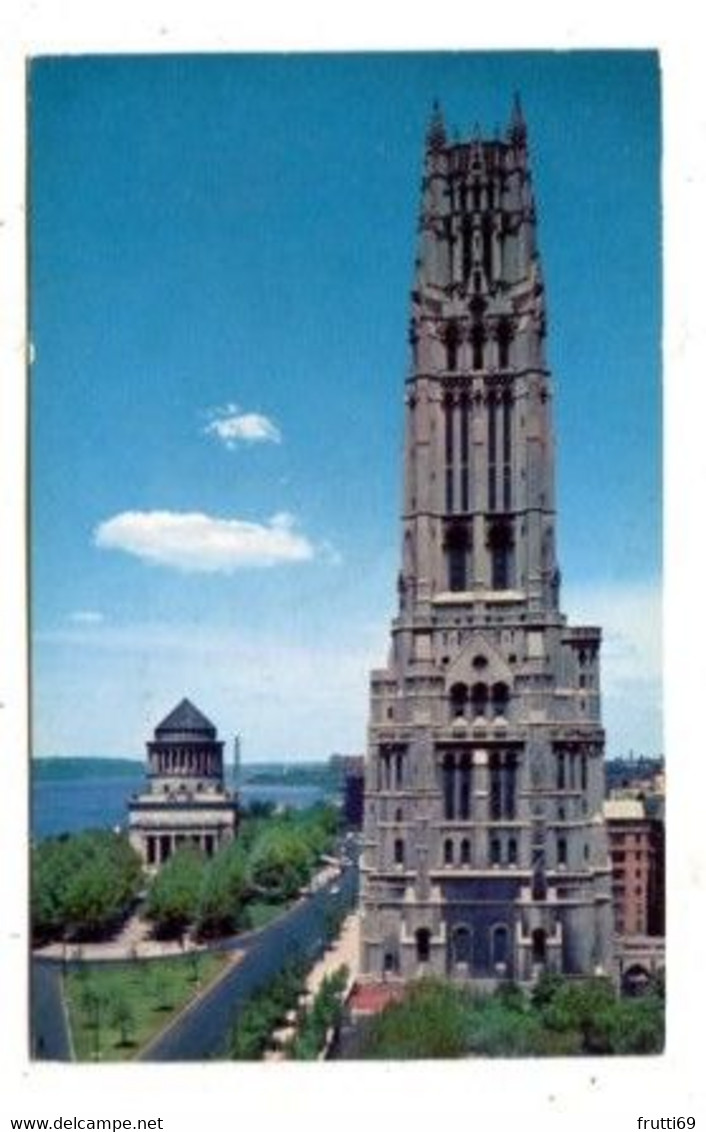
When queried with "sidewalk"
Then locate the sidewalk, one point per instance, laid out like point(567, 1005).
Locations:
point(343, 951)
point(134, 941)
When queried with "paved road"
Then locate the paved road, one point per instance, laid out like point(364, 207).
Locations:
point(202, 1031)
point(50, 1033)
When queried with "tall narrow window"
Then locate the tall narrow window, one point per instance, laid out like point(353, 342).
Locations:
point(449, 452)
point(499, 944)
point(488, 247)
point(510, 791)
point(492, 453)
point(459, 698)
point(495, 851)
point(456, 553)
point(451, 346)
point(512, 851)
point(467, 237)
point(399, 851)
point(584, 771)
point(399, 770)
point(464, 796)
point(500, 695)
point(539, 945)
point(423, 941)
point(464, 409)
point(477, 340)
point(507, 452)
point(448, 851)
point(500, 547)
point(504, 335)
point(561, 850)
point(496, 788)
point(448, 776)
point(465, 851)
point(560, 771)
point(479, 700)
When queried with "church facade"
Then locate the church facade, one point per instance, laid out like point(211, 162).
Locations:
point(484, 847)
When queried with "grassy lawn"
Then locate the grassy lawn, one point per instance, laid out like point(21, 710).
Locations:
point(114, 1009)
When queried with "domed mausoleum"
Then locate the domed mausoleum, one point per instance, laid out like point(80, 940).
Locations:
point(185, 801)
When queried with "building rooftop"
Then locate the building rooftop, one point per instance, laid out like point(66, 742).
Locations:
point(185, 719)
point(623, 809)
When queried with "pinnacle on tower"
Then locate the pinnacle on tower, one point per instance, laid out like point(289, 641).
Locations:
point(518, 126)
point(436, 133)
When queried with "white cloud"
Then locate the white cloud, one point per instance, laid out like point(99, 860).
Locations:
point(235, 427)
point(197, 543)
point(87, 617)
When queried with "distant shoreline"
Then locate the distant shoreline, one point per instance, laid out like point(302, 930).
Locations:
point(64, 767)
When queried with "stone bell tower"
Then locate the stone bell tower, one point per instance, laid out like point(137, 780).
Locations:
point(485, 852)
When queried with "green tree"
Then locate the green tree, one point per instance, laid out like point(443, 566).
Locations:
point(83, 885)
point(280, 862)
point(223, 893)
point(430, 1022)
point(173, 898)
point(122, 1016)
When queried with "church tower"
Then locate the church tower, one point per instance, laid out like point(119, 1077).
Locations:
point(485, 852)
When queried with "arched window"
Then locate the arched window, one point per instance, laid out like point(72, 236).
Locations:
point(499, 944)
point(479, 699)
point(390, 963)
point(465, 851)
point(495, 851)
point(512, 851)
point(423, 940)
point(448, 851)
point(399, 816)
point(561, 850)
point(458, 696)
point(539, 945)
point(399, 851)
point(500, 695)
point(461, 944)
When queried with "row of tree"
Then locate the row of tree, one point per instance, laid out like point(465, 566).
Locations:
point(83, 884)
point(322, 1018)
point(270, 861)
point(561, 1017)
point(271, 1006)
point(267, 1008)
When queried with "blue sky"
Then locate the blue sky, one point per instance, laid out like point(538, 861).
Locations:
point(221, 256)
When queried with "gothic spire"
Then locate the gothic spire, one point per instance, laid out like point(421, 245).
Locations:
point(518, 126)
point(436, 133)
